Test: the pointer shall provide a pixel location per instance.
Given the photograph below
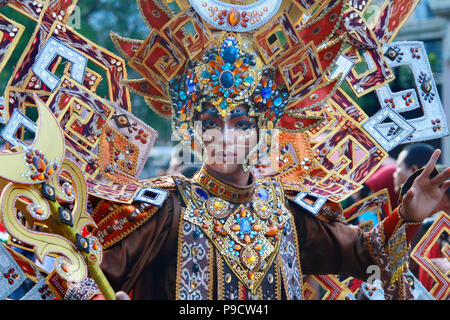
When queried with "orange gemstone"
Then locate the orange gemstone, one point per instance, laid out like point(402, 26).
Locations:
point(257, 99)
point(65, 268)
point(257, 227)
point(234, 17)
point(273, 230)
point(247, 239)
point(220, 230)
point(235, 227)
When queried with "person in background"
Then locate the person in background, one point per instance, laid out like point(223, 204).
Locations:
point(384, 179)
point(412, 158)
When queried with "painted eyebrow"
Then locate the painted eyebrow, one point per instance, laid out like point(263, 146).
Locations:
point(210, 112)
point(238, 114)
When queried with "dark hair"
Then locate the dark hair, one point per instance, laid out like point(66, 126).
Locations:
point(440, 168)
point(418, 155)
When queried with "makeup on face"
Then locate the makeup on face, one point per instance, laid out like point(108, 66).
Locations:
point(228, 139)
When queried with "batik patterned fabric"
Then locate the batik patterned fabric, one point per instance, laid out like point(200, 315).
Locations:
point(85, 289)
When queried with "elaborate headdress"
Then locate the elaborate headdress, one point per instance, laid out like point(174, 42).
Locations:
point(287, 62)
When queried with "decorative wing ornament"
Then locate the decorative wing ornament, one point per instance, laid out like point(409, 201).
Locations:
point(35, 200)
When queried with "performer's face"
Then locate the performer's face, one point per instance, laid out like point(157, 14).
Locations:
point(229, 139)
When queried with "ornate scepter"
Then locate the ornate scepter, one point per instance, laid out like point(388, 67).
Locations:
point(40, 184)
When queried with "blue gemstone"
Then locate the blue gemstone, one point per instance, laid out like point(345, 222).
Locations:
point(230, 54)
point(263, 194)
point(227, 80)
point(277, 102)
point(266, 92)
point(224, 104)
point(206, 75)
point(245, 226)
point(182, 95)
point(202, 194)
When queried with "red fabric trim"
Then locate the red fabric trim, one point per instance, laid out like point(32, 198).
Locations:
point(411, 230)
point(390, 223)
point(244, 293)
point(393, 221)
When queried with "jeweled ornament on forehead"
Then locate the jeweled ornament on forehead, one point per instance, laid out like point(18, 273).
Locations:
point(228, 74)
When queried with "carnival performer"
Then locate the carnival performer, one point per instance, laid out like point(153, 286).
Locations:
point(274, 240)
point(226, 234)
point(255, 91)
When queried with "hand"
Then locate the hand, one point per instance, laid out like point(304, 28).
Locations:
point(425, 193)
point(122, 296)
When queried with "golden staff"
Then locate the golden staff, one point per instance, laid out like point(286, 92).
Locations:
point(39, 183)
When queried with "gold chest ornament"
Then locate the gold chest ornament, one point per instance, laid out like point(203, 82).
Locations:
point(247, 235)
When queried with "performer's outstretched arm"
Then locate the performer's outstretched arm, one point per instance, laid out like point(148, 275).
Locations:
point(337, 248)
